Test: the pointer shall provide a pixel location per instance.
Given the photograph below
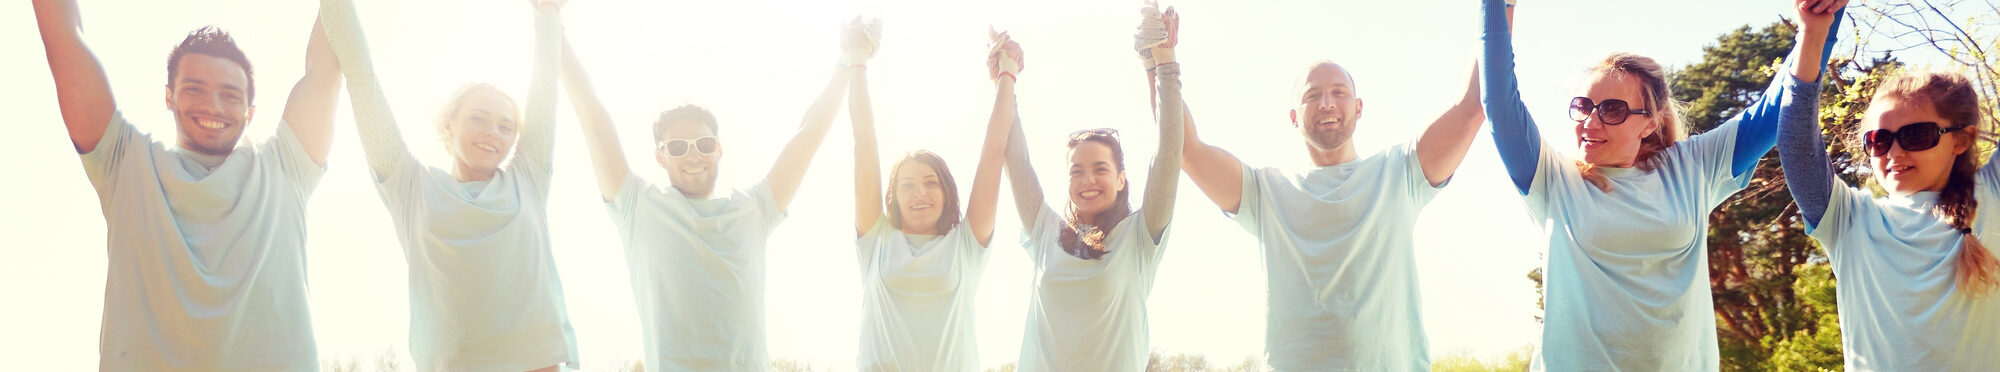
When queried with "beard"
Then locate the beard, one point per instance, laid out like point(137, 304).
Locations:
point(1327, 140)
point(196, 143)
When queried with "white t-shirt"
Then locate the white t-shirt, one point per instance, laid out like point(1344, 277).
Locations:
point(207, 265)
point(917, 299)
point(697, 270)
point(1089, 315)
point(1900, 305)
point(1626, 281)
point(1340, 256)
point(484, 294)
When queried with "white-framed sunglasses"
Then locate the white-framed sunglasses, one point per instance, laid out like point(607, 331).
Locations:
point(679, 147)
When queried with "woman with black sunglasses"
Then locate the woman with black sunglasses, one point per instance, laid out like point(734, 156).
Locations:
point(920, 261)
point(1095, 261)
point(1916, 288)
point(1627, 272)
point(484, 294)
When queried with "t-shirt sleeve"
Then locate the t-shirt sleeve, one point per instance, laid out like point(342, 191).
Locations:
point(1134, 231)
point(292, 160)
point(1250, 207)
point(1418, 186)
point(766, 203)
point(105, 164)
point(1554, 172)
point(624, 206)
point(1844, 210)
point(1043, 235)
point(1708, 159)
point(1986, 191)
point(404, 180)
point(867, 244)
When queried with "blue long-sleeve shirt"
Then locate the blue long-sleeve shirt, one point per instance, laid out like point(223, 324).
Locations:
point(1520, 142)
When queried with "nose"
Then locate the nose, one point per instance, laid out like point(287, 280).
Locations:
point(1325, 102)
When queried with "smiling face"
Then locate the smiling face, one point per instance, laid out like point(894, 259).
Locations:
point(1095, 179)
point(481, 130)
point(1615, 145)
point(1906, 172)
point(693, 173)
point(1328, 107)
point(210, 101)
point(917, 192)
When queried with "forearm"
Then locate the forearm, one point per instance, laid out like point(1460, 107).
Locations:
point(538, 122)
point(868, 205)
point(1021, 174)
point(979, 210)
point(1809, 57)
point(1215, 171)
point(83, 94)
point(607, 156)
point(790, 169)
point(1802, 153)
point(1444, 144)
point(1163, 179)
point(381, 142)
point(1514, 132)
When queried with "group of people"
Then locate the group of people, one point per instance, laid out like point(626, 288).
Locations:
point(206, 233)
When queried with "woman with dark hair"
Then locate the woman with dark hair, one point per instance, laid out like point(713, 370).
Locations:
point(1095, 261)
point(920, 261)
point(484, 294)
point(1626, 217)
point(1916, 282)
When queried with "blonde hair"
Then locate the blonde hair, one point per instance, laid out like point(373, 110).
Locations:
point(1955, 100)
point(451, 106)
point(1659, 97)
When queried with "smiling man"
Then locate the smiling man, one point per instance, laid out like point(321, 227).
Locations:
point(206, 235)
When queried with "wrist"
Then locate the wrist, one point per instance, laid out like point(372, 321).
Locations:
point(1005, 77)
point(1161, 56)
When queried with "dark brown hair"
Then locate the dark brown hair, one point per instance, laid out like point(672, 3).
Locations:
point(213, 42)
point(685, 112)
point(1089, 245)
point(950, 215)
point(1953, 98)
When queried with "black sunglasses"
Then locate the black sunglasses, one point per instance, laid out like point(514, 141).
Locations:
point(678, 147)
point(1610, 112)
point(1913, 137)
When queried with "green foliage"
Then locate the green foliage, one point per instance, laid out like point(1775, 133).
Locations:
point(1816, 349)
point(1516, 360)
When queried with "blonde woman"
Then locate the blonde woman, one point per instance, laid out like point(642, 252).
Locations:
point(484, 294)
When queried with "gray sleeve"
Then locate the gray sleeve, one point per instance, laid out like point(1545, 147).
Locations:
point(1801, 151)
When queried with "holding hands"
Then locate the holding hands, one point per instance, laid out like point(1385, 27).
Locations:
point(1158, 33)
point(859, 39)
point(1816, 16)
point(1003, 57)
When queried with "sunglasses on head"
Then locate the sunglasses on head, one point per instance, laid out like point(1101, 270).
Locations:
point(1913, 137)
point(1087, 133)
point(1610, 112)
point(679, 147)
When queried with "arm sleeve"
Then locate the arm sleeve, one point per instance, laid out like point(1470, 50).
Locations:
point(1801, 151)
point(1758, 127)
point(103, 163)
point(1514, 133)
point(381, 141)
point(536, 150)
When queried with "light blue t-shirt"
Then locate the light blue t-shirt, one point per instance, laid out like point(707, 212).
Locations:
point(697, 269)
point(1900, 305)
point(1626, 281)
point(207, 265)
point(484, 293)
point(1089, 315)
point(1339, 253)
point(917, 299)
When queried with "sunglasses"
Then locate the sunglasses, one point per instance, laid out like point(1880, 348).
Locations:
point(1913, 137)
point(1610, 112)
point(678, 147)
point(1087, 133)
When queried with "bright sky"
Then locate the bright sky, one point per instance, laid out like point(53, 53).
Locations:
point(757, 64)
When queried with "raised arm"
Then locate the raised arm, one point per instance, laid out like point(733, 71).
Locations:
point(1004, 61)
point(980, 210)
point(599, 135)
point(1514, 132)
point(373, 122)
point(538, 129)
point(1215, 171)
point(1802, 153)
point(868, 206)
point(1165, 175)
point(1757, 126)
point(309, 111)
point(1445, 142)
point(790, 169)
point(82, 92)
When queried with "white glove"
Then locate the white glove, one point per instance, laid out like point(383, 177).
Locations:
point(859, 41)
